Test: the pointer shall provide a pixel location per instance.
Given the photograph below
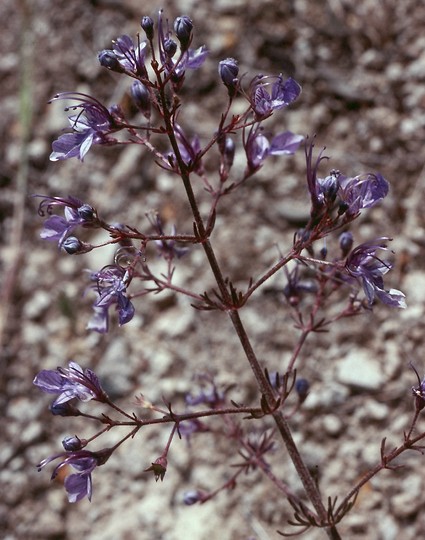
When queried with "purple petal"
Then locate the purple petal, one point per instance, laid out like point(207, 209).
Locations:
point(99, 321)
point(54, 228)
point(49, 381)
point(196, 57)
point(78, 486)
point(286, 93)
point(392, 298)
point(71, 145)
point(285, 143)
point(125, 311)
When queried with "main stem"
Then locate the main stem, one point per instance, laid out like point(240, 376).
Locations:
point(263, 384)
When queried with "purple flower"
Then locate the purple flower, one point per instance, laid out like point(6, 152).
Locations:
point(189, 149)
point(353, 193)
point(111, 287)
point(91, 125)
point(362, 191)
point(69, 383)
point(57, 228)
point(258, 147)
point(363, 264)
point(131, 57)
point(78, 485)
point(281, 95)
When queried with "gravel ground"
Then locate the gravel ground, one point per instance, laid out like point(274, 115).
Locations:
point(362, 69)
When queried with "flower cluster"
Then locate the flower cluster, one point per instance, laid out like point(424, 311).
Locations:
point(156, 68)
point(345, 196)
point(58, 228)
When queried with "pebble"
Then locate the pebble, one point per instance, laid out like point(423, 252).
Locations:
point(359, 369)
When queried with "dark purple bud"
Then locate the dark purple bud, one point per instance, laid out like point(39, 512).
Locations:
point(86, 212)
point(183, 27)
point(302, 387)
point(72, 245)
point(170, 47)
point(346, 243)
point(147, 25)
point(64, 409)
point(329, 187)
point(109, 60)
point(228, 70)
point(229, 152)
point(72, 444)
point(192, 497)
point(141, 98)
point(323, 252)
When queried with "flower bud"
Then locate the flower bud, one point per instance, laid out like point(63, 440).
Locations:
point(229, 152)
point(147, 25)
point(109, 60)
point(64, 409)
point(141, 98)
point(72, 245)
point(302, 387)
point(183, 27)
point(73, 444)
point(346, 243)
point(228, 70)
point(192, 497)
point(170, 47)
point(329, 186)
point(86, 212)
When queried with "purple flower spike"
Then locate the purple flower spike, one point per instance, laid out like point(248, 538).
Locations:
point(71, 382)
point(281, 95)
point(363, 264)
point(78, 485)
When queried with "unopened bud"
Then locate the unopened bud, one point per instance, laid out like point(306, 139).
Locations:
point(183, 27)
point(141, 98)
point(72, 245)
point(192, 497)
point(72, 444)
point(64, 409)
point(109, 60)
point(147, 25)
point(302, 386)
point(346, 243)
point(229, 152)
point(170, 47)
point(86, 212)
point(228, 70)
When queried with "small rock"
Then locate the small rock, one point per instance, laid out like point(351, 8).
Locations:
point(360, 370)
